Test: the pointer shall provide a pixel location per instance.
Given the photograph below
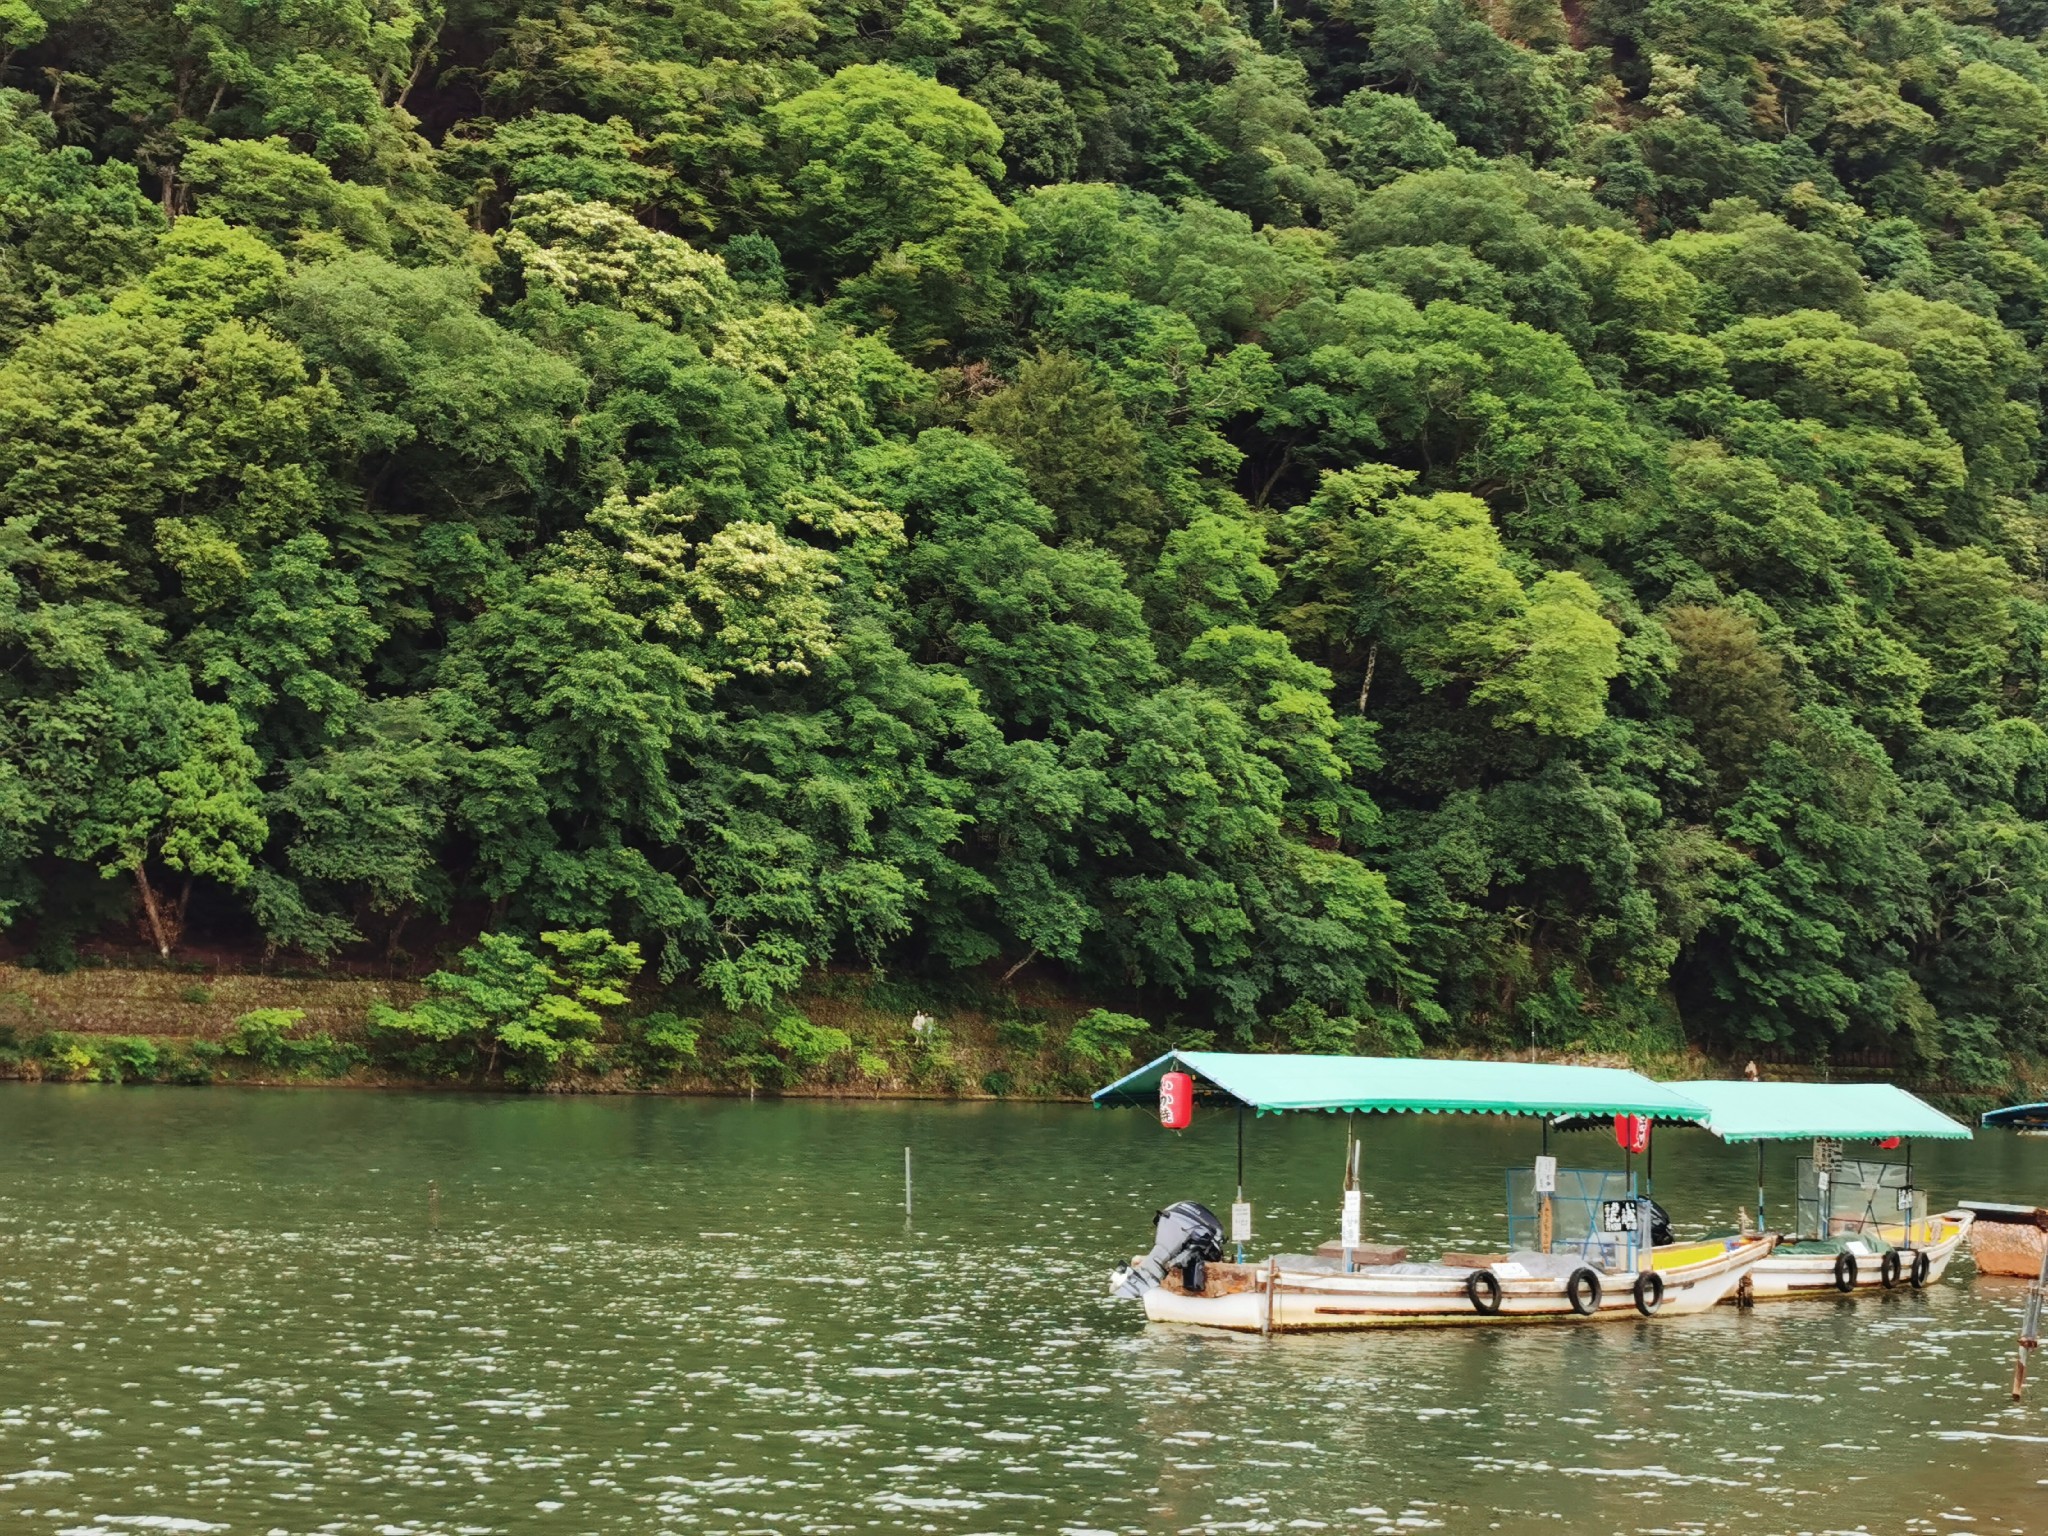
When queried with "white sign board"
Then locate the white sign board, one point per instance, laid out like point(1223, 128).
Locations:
point(1546, 1175)
point(1347, 1229)
point(1241, 1221)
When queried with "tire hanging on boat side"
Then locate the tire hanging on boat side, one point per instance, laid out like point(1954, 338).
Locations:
point(1483, 1280)
point(1922, 1267)
point(1584, 1291)
point(1653, 1283)
point(1845, 1271)
point(1888, 1270)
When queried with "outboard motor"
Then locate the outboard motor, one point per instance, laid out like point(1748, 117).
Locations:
point(1187, 1237)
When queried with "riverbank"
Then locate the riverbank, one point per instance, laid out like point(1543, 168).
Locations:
point(846, 1035)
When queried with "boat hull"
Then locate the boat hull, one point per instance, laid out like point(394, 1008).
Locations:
point(1281, 1300)
point(1809, 1276)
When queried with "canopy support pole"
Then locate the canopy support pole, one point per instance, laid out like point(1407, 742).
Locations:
point(1913, 1207)
point(1760, 1189)
point(1648, 1216)
point(1240, 1171)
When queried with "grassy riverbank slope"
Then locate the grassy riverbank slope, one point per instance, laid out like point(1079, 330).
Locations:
point(845, 1034)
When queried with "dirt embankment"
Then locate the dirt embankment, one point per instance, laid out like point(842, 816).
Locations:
point(181, 1005)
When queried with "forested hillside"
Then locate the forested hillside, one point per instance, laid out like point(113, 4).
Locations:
point(1347, 523)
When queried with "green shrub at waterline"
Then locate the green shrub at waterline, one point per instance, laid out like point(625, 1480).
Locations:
point(263, 1038)
point(505, 1009)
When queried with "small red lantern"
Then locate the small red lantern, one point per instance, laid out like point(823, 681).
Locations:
point(1890, 1144)
point(1632, 1132)
point(1176, 1100)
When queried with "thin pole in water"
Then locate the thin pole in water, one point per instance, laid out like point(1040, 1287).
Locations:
point(434, 1205)
point(1760, 1228)
point(2030, 1328)
point(906, 1183)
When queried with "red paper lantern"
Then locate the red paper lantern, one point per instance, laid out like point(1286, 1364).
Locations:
point(1890, 1144)
point(1176, 1100)
point(1632, 1132)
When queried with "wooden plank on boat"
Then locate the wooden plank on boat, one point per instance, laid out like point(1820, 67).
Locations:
point(1224, 1279)
point(1364, 1253)
point(1473, 1260)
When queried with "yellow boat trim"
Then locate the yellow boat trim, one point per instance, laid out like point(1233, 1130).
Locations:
point(1679, 1255)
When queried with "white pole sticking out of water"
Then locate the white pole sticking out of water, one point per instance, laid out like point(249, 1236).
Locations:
point(906, 1181)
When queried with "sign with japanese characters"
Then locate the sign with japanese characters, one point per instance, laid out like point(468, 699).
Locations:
point(1617, 1216)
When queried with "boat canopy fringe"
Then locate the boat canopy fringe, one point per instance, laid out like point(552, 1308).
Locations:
point(1273, 1084)
point(1747, 1111)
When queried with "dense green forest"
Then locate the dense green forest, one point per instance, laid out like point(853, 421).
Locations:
point(1347, 523)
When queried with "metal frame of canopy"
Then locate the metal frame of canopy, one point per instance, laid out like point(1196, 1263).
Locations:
point(1279, 1084)
point(1741, 1111)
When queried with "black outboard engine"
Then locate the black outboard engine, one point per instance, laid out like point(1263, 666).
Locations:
point(1187, 1237)
point(1660, 1226)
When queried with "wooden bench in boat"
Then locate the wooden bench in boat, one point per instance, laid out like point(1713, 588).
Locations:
point(1364, 1253)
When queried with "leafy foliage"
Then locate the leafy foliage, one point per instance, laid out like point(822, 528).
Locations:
point(1372, 527)
point(540, 1013)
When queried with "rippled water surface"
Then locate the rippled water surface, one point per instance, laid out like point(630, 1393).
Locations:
point(233, 1311)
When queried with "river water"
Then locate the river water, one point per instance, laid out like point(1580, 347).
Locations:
point(242, 1312)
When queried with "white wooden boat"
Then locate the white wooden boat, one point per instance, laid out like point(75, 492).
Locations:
point(1296, 1293)
point(1853, 1263)
point(1845, 1243)
point(1587, 1261)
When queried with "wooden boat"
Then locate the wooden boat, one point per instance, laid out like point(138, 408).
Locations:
point(1296, 1293)
point(1850, 1246)
point(1591, 1276)
point(2008, 1239)
point(1852, 1262)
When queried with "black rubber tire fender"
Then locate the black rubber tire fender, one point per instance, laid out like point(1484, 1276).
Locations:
point(1483, 1280)
point(1922, 1267)
point(1584, 1291)
point(1649, 1292)
point(1845, 1271)
point(1889, 1268)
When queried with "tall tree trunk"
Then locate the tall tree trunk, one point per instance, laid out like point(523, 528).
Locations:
point(163, 926)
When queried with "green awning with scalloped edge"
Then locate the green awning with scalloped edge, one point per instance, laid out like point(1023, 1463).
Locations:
point(1405, 1085)
point(1746, 1111)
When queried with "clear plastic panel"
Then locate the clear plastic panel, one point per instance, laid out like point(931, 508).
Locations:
point(1861, 1195)
point(1594, 1213)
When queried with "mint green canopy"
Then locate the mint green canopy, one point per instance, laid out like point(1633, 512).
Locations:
point(1745, 1111)
point(1271, 1084)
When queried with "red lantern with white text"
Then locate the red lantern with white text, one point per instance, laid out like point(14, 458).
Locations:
point(1176, 1100)
point(1632, 1132)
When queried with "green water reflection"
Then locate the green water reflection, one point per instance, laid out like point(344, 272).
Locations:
point(228, 1312)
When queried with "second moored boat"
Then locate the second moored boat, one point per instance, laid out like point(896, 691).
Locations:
point(1859, 1224)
